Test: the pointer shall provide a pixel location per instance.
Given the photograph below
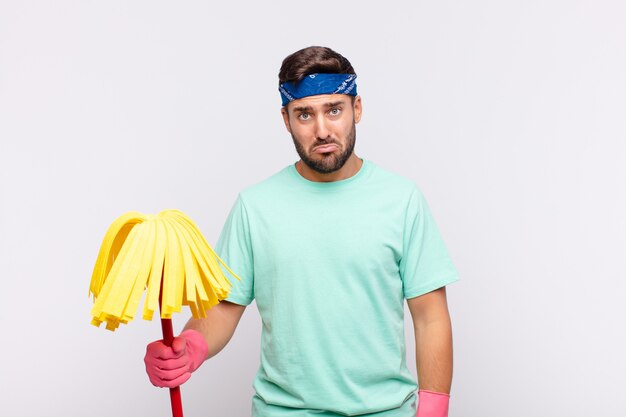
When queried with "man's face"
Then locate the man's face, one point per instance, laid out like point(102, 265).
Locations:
point(323, 129)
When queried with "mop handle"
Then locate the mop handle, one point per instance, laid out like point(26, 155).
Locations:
point(175, 399)
point(168, 339)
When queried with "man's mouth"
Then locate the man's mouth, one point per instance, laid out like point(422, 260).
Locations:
point(331, 147)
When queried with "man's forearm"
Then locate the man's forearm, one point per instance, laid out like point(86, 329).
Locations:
point(433, 354)
point(218, 326)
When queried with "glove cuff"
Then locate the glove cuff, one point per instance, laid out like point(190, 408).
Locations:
point(197, 347)
point(432, 404)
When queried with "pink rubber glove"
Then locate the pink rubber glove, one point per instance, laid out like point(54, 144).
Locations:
point(169, 367)
point(432, 404)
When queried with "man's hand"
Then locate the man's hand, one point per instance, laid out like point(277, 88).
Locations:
point(169, 367)
point(432, 404)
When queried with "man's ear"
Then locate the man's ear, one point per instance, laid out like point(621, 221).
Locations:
point(283, 111)
point(357, 107)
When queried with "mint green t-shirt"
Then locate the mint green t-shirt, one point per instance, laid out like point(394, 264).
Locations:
point(329, 265)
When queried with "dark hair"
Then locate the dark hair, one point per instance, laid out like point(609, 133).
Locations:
point(313, 60)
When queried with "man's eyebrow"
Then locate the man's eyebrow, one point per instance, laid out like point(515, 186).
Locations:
point(335, 103)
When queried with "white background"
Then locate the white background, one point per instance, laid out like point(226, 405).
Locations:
point(509, 115)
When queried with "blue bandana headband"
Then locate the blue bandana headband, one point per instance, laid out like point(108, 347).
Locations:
point(315, 84)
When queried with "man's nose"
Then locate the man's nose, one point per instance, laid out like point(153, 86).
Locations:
point(321, 128)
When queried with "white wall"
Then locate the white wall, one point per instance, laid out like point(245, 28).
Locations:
point(509, 115)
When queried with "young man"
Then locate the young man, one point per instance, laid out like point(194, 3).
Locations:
point(329, 248)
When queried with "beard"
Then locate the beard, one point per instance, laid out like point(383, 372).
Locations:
point(328, 162)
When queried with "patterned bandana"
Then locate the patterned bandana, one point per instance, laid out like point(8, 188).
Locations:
point(315, 84)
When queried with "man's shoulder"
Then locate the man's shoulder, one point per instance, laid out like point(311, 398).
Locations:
point(268, 187)
point(391, 180)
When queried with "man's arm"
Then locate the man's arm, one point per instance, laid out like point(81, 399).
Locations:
point(218, 326)
point(433, 340)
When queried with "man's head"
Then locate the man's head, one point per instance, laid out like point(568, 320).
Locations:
point(319, 115)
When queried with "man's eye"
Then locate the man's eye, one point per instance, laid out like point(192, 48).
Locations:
point(335, 112)
point(304, 116)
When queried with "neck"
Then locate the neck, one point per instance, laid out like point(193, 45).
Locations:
point(350, 168)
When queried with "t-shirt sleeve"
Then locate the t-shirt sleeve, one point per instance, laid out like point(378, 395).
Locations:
point(425, 264)
point(235, 248)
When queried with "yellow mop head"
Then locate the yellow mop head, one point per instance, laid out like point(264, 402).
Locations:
point(165, 253)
